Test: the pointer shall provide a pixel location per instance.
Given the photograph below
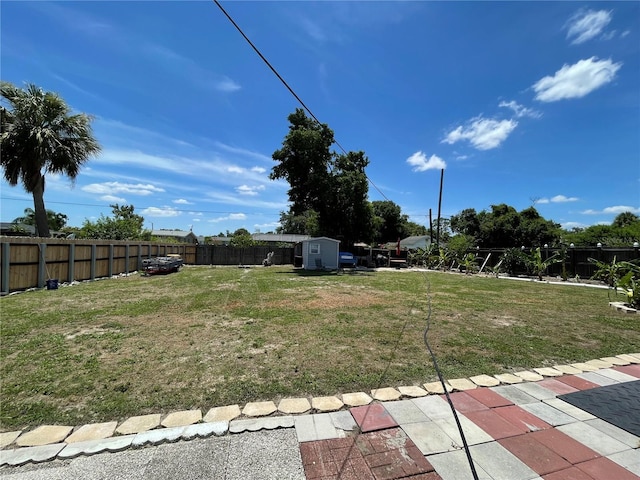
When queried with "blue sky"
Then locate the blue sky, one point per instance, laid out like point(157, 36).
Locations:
point(521, 102)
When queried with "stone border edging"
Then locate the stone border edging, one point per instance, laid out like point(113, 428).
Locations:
point(48, 442)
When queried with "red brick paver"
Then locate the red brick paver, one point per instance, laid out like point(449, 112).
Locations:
point(533, 453)
point(557, 386)
point(572, 473)
point(494, 424)
point(577, 382)
point(466, 403)
point(488, 397)
point(381, 455)
point(630, 370)
point(565, 446)
point(521, 418)
point(604, 469)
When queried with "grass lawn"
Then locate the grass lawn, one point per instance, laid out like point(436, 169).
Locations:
point(206, 337)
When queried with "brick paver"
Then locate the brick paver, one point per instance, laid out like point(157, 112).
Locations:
point(382, 455)
point(537, 456)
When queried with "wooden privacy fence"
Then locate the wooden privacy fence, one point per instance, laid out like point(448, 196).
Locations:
point(29, 262)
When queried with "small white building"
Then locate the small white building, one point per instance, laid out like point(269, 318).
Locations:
point(320, 253)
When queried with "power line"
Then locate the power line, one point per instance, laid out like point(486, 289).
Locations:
point(284, 82)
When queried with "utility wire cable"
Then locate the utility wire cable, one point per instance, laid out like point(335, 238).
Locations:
point(444, 387)
point(284, 82)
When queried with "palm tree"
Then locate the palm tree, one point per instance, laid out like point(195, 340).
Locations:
point(40, 136)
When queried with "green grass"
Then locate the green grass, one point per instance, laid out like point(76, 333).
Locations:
point(207, 337)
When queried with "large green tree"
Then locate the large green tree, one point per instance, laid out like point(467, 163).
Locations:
point(124, 224)
point(39, 135)
point(328, 191)
point(56, 221)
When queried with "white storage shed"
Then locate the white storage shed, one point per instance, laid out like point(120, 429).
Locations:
point(320, 253)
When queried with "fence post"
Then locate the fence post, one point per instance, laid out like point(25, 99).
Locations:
point(42, 266)
point(126, 256)
point(72, 262)
point(6, 264)
point(92, 274)
point(110, 270)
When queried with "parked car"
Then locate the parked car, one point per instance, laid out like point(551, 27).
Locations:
point(346, 259)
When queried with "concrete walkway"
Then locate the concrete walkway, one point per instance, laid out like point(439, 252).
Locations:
point(518, 430)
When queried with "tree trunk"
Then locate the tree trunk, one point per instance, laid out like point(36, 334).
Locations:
point(42, 225)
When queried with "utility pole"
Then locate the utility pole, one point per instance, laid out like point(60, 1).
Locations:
point(439, 208)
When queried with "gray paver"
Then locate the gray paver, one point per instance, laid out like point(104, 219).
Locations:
point(203, 430)
point(315, 427)
point(536, 391)
point(569, 409)
point(430, 438)
point(433, 407)
point(547, 413)
point(20, 456)
point(255, 424)
point(516, 395)
point(501, 464)
point(597, 378)
point(343, 420)
point(593, 438)
point(455, 466)
point(405, 411)
point(619, 434)
point(472, 433)
point(156, 437)
point(616, 375)
point(629, 459)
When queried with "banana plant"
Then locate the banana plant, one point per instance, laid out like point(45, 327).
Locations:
point(537, 265)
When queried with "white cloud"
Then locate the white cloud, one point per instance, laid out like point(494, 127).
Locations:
point(110, 188)
point(557, 199)
point(231, 216)
point(161, 212)
point(571, 225)
point(235, 169)
point(182, 201)
point(576, 81)
point(258, 169)
point(266, 226)
point(247, 190)
point(197, 214)
point(113, 199)
point(587, 24)
point(421, 163)
point(521, 110)
point(615, 210)
point(226, 85)
point(482, 133)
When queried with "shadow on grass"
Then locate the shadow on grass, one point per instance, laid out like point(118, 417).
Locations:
point(326, 273)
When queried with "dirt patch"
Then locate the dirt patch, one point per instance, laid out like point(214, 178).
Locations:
point(503, 321)
point(329, 297)
point(90, 331)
